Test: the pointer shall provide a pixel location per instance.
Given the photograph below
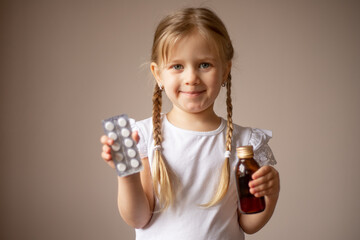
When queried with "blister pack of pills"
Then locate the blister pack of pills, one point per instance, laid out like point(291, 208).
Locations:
point(124, 151)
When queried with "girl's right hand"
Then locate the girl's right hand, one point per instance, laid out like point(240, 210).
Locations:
point(106, 149)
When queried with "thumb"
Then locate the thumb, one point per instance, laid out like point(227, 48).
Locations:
point(135, 136)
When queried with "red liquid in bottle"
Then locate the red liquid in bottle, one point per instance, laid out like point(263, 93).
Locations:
point(244, 168)
point(248, 203)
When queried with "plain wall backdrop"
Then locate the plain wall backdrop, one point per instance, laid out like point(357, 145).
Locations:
point(66, 65)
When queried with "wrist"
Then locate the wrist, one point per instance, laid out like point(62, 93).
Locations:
point(132, 178)
point(272, 197)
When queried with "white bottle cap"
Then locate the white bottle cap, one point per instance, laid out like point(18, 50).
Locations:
point(125, 132)
point(121, 167)
point(119, 157)
point(122, 122)
point(128, 142)
point(134, 163)
point(112, 135)
point(131, 152)
point(115, 147)
point(109, 126)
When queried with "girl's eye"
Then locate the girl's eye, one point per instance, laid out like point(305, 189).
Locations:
point(177, 67)
point(204, 65)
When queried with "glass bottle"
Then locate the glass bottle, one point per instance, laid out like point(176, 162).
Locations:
point(244, 168)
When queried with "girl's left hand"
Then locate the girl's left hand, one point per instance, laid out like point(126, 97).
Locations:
point(266, 182)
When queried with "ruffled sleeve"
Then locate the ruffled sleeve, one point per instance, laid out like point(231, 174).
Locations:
point(259, 139)
point(142, 145)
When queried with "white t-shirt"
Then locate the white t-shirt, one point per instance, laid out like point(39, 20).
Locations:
point(196, 159)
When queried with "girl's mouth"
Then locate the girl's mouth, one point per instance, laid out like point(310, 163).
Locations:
point(192, 93)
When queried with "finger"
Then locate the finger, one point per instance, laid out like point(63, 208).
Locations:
point(106, 149)
point(263, 187)
point(266, 192)
point(261, 180)
point(108, 159)
point(106, 156)
point(267, 188)
point(262, 171)
point(105, 140)
point(261, 194)
point(135, 136)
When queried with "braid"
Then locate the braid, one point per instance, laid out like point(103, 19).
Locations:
point(225, 170)
point(160, 173)
point(229, 131)
point(157, 103)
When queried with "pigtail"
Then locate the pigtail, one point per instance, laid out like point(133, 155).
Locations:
point(225, 170)
point(160, 173)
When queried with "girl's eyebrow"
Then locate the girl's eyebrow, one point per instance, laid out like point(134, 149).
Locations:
point(200, 59)
point(174, 60)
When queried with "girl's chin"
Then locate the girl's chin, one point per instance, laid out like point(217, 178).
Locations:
point(196, 109)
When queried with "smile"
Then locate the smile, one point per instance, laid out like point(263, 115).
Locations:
point(192, 93)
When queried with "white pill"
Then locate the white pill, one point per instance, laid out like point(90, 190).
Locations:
point(134, 163)
point(128, 142)
point(115, 147)
point(119, 157)
point(125, 132)
point(109, 126)
point(122, 122)
point(112, 135)
point(121, 167)
point(131, 153)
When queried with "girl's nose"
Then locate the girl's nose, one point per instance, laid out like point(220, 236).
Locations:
point(192, 77)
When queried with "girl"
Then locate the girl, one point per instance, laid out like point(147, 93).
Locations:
point(182, 193)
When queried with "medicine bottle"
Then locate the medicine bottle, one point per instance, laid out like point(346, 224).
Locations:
point(244, 168)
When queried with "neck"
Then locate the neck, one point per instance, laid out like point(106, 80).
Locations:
point(201, 121)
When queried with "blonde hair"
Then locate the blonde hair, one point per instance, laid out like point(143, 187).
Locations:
point(170, 30)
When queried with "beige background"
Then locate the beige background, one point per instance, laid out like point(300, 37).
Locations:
point(66, 65)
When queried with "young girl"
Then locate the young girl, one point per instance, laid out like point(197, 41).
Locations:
point(186, 189)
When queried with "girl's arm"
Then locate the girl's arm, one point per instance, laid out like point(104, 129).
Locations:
point(266, 183)
point(136, 198)
point(135, 192)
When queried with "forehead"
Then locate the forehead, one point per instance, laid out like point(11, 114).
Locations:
point(194, 43)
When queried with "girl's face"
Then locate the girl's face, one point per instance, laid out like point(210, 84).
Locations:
point(193, 74)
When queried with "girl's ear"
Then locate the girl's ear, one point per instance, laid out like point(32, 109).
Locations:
point(155, 72)
point(227, 71)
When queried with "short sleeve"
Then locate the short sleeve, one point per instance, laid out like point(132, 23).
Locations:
point(142, 145)
point(259, 139)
